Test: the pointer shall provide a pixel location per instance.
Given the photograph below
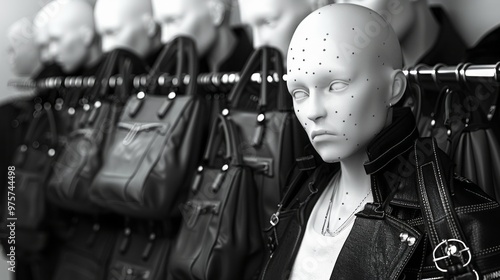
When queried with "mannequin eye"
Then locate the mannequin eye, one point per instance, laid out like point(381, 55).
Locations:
point(299, 94)
point(338, 86)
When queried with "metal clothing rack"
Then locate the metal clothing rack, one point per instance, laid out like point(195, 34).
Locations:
point(436, 76)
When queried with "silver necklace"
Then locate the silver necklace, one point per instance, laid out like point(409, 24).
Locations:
point(325, 230)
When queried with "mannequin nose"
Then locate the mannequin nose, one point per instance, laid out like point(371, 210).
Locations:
point(315, 107)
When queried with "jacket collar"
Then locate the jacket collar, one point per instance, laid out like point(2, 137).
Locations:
point(392, 141)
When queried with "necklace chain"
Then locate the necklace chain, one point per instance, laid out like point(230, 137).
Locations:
point(325, 230)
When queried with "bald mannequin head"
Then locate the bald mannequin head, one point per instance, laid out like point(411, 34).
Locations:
point(23, 52)
point(198, 19)
point(343, 74)
point(413, 21)
point(72, 38)
point(127, 24)
point(273, 21)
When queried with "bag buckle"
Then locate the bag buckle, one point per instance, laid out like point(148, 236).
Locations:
point(452, 248)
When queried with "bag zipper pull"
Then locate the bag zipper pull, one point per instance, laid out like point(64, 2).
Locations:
point(275, 218)
point(259, 132)
point(219, 179)
point(147, 251)
point(197, 179)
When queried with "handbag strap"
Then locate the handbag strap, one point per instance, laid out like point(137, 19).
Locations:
point(181, 53)
point(261, 57)
point(228, 129)
point(451, 254)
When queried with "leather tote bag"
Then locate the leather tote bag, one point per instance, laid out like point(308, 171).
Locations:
point(476, 151)
point(271, 137)
point(27, 181)
point(85, 247)
point(219, 237)
point(140, 252)
point(156, 145)
point(82, 154)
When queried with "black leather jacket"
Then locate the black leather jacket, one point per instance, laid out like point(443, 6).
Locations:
point(378, 247)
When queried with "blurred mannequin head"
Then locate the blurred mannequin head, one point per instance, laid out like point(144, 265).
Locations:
point(127, 24)
point(41, 32)
point(23, 53)
point(274, 21)
point(412, 21)
point(198, 19)
point(72, 38)
point(399, 13)
point(343, 75)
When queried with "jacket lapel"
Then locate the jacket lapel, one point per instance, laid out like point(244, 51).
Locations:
point(375, 250)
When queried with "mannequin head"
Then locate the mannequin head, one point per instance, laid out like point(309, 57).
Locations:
point(127, 24)
point(72, 39)
point(413, 22)
point(23, 53)
point(344, 75)
point(198, 19)
point(273, 21)
point(399, 13)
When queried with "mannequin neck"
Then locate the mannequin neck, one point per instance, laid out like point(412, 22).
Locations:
point(353, 176)
point(222, 48)
point(93, 56)
point(422, 37)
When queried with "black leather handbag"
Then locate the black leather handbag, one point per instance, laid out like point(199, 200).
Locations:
point(85, 247)
point(82, 154)
point(140, 252)
point(32, 167)
point(271, 137)
point(219, 237)
point(156, 144)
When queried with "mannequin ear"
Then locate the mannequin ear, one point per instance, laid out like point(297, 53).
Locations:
point(217, 11)
point(399, 83)
point(149, 25)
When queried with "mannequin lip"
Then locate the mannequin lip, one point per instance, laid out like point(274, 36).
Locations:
point(317, 133)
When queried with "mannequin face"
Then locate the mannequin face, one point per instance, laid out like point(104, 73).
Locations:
point(191, 18)
point(67, 47)
point(273, 21)
point(399, 13)
point(42, 42)
point(22, 51)
point(71, 33)
point(129, 26)
point(340, 98)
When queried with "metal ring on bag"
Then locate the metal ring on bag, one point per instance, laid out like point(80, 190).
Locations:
point(452, 249)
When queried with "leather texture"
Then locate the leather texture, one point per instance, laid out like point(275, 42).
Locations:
point(32, 161)
point(375, 248)
point(140, 253)
point(87, 244)
point(271, 145)
point(156, 144)
point(477, 157)
point(82, 154)
point(219, 237)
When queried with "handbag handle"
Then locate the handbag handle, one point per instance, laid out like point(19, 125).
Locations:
point(261, 57)
point(30, 134)
point(179, 52)
point(451, 254)
point(228, 129)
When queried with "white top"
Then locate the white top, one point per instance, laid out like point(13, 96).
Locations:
point(318, 253)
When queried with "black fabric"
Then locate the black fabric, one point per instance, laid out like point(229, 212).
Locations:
point(486, 51)
point(239, 55)
point(152, 57)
